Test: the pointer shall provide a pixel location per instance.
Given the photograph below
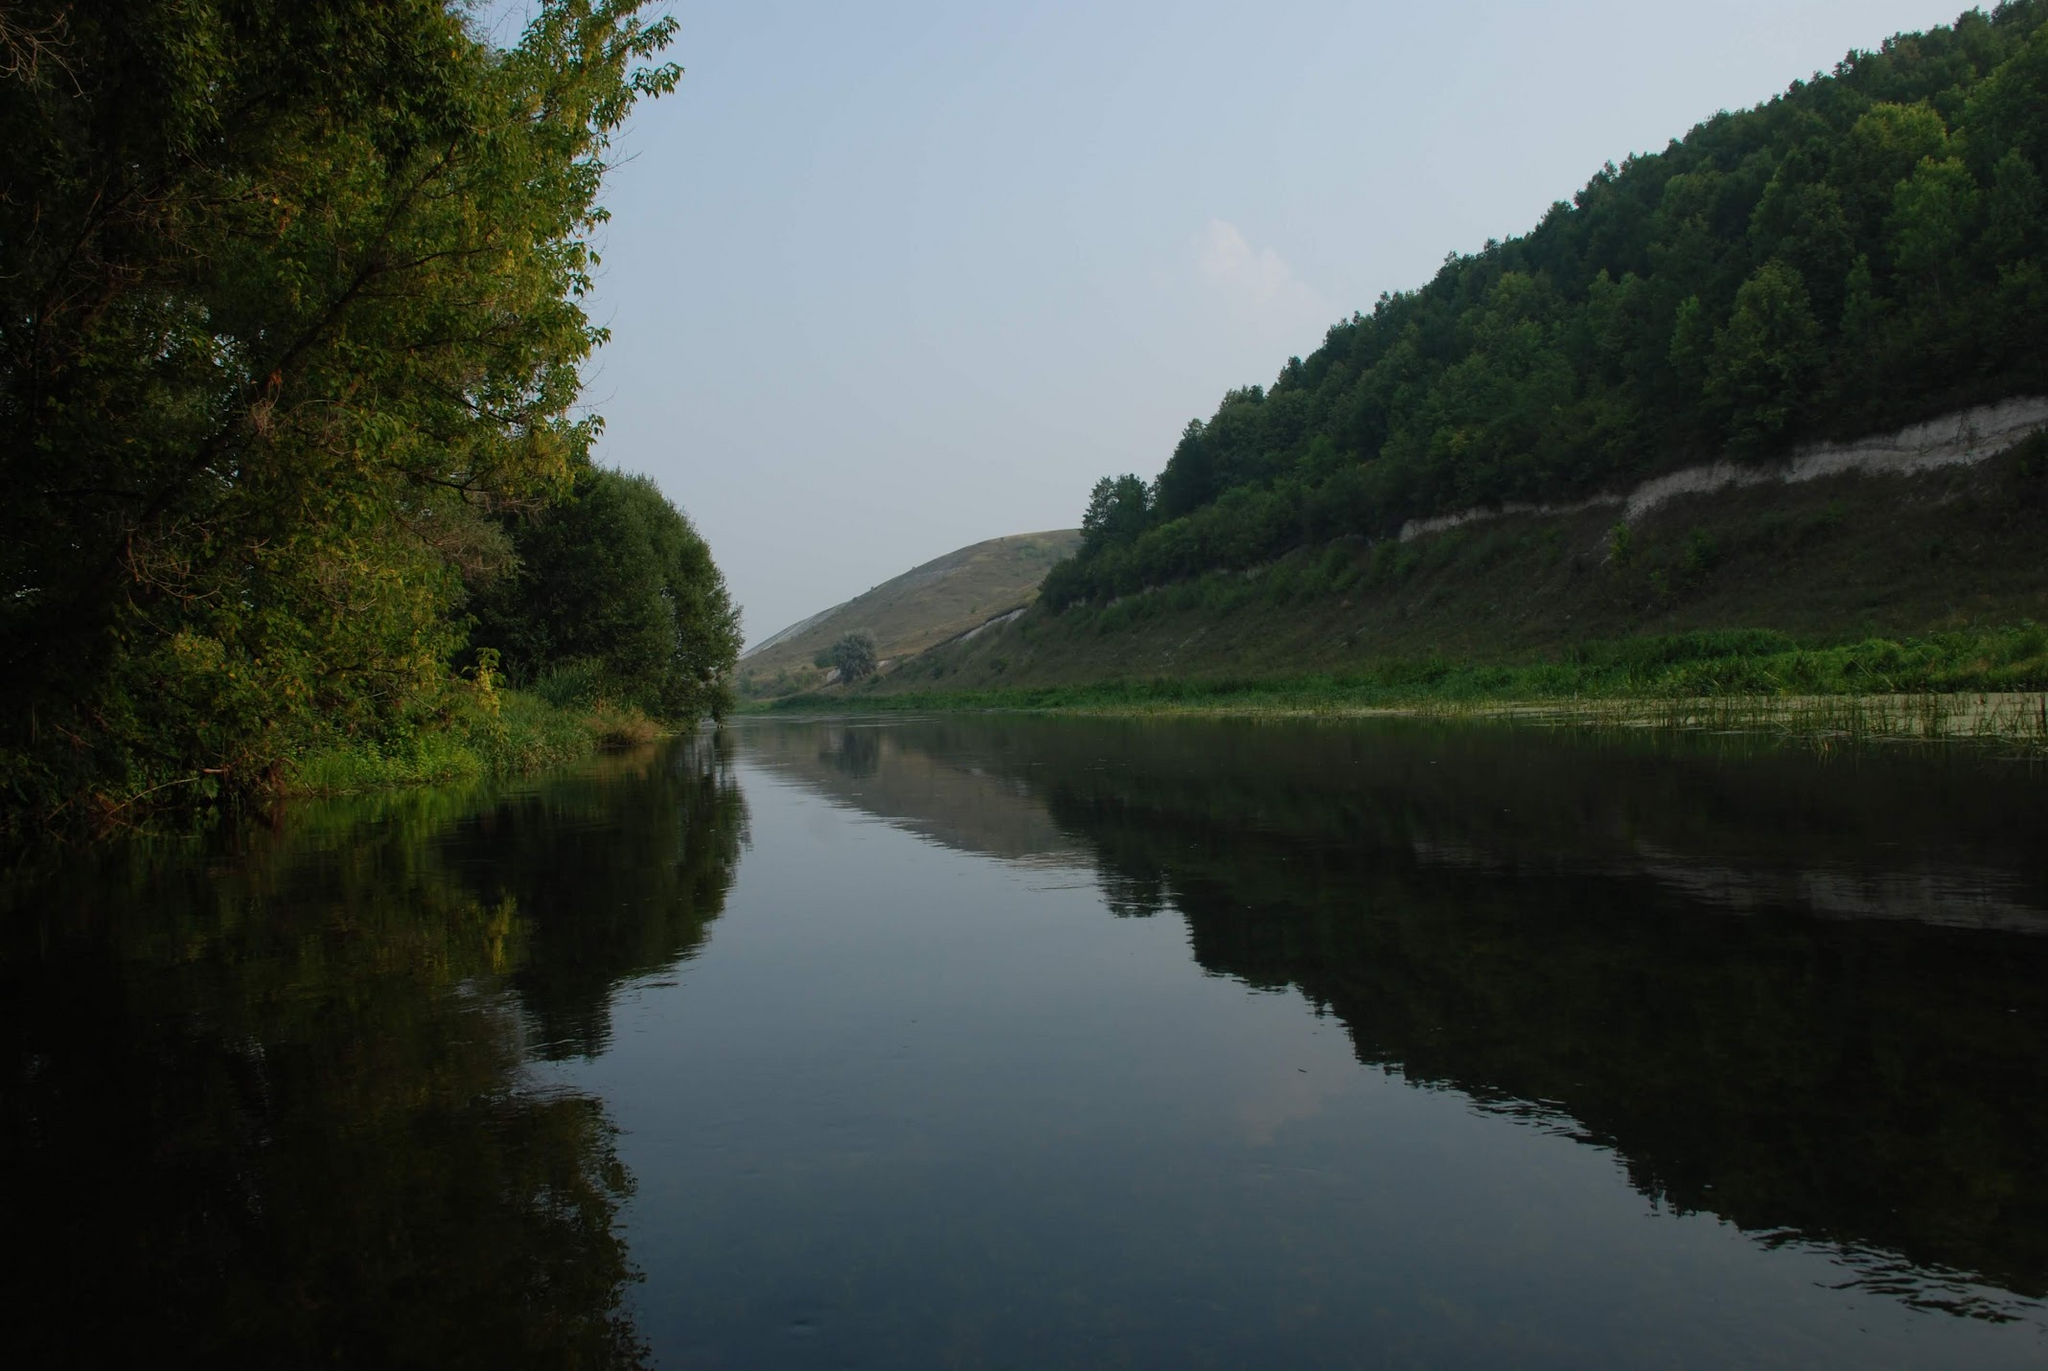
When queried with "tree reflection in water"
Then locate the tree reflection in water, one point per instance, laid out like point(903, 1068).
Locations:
point(269, 1106)
point(1808, 996)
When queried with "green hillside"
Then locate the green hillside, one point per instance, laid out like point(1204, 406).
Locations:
point(924, 607)
point(1852, 583)
point(1865, 251)
point(1757, 415)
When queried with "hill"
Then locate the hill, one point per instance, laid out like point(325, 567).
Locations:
point(924, 607)
point(1760, 413)
point(1922, 573)
point(1757, 414)
point(1866, 251)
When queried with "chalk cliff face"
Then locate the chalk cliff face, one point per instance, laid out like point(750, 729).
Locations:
point(1960, 439)
point(943, 599)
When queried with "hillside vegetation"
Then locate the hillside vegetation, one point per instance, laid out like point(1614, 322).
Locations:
point(1862, 254)
point(1849, 584)
point(1863, 251)
point(924, 607)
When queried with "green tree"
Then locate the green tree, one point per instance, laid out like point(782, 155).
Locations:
point(2018, 211)
point(289, 308)
point(854, 656)
point(1863, 309)
point(1932, 210)
point(2008, 110)
point(1805, 226)
point(1764, 354)
point(1882, 148)
point(1118, 510)
point(1692, 343)
point(616, 582)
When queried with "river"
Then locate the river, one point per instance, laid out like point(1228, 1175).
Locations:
point(1014, 1042)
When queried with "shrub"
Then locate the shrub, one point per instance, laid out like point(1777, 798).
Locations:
point(854, 655)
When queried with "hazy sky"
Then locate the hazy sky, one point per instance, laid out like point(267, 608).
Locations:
point(889, 278)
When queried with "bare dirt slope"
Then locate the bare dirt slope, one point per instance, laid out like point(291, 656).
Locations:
point(925, 606)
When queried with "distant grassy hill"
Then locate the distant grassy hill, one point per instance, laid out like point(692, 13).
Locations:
point(924, 607)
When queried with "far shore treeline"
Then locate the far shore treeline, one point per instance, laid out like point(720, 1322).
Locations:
point(1869, 249)
point(291, 330)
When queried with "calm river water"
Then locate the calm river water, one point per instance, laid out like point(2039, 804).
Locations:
point(1024, 1043)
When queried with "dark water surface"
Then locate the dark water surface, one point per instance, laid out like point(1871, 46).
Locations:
point(1024, 1043)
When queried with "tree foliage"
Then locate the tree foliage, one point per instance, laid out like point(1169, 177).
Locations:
point(1117, 510)
point(854, 656)
point(1864, 250)
point(1764, 355)
point(615, 580)
point(289, 318)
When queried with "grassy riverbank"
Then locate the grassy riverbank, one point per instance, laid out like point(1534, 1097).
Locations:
point(1978, 683)
point(1848, 605)
point(510, 733)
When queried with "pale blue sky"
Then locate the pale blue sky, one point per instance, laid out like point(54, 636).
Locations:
point(889, 278)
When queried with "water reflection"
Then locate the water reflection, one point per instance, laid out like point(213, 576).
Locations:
point(1809, 998)
point(619, 872)
point(268, 1104)
point(351, 1091)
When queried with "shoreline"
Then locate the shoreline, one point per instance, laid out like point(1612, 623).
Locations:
point(523, 734)
point(2008, 718)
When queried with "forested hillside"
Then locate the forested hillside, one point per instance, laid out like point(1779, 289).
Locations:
point(290, 344)
point(1865, 250)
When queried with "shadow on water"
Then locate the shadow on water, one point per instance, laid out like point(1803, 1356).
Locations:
point(1807, 996)
point(268, 1103)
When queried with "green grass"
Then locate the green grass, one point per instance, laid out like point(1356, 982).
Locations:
point(1846, 605)
point(1831, 565)
point(1727, 678)
point(525, 733)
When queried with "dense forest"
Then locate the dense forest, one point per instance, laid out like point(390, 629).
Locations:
point(1865, 250)
point(291, 337)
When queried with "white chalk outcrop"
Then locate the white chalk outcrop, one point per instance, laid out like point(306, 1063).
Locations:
point(1960, 439)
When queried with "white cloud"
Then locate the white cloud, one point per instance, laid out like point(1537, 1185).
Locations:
point(1258, 281)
